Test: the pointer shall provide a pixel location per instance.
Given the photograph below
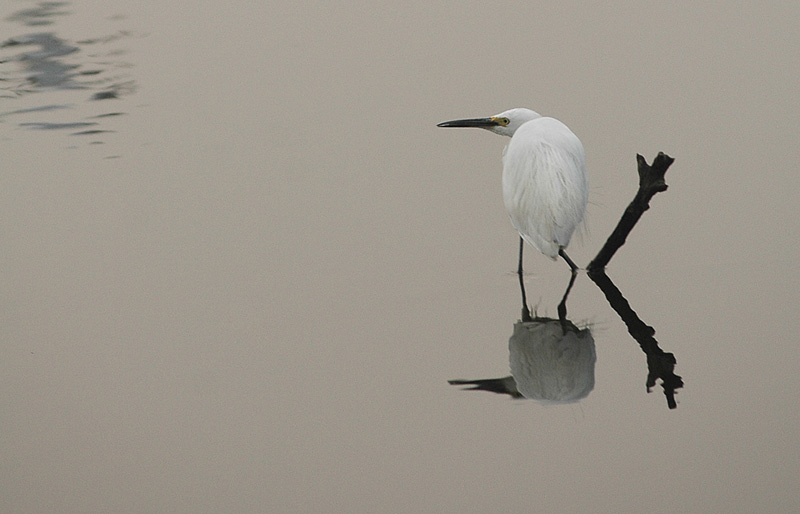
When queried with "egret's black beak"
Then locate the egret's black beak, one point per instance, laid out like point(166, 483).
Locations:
point(473, 122)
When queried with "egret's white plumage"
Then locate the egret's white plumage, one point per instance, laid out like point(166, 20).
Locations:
point(545, 183)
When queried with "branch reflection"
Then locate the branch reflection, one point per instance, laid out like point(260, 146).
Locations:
point(660, 364)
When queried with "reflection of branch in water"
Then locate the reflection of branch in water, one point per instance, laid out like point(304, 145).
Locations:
point(660, 364)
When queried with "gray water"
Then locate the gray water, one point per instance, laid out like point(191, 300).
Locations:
point(240, 262)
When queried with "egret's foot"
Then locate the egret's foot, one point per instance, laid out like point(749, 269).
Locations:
point(526, 314)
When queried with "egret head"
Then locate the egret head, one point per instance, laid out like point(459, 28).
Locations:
point(505, 123)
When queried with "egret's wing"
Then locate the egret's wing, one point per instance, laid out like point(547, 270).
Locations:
point(545, 185)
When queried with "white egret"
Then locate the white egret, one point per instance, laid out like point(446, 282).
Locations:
point(545, 184)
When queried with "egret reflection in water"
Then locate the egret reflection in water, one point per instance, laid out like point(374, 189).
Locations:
point(548, 364)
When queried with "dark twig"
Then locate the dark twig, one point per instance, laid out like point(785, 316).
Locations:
point(651, 181)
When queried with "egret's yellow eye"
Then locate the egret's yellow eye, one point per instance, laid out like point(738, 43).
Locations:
point(503, 121)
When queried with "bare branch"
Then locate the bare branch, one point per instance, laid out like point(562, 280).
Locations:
point(651, 181)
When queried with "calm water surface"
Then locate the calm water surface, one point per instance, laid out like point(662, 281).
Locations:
point(240, 263)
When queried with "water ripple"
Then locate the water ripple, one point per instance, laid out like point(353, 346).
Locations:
point(36, 66)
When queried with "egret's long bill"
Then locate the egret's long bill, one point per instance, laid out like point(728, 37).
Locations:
point(473, 122)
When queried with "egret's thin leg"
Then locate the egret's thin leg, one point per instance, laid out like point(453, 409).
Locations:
point(526, 313)
point(571, 264)
point(562, 307)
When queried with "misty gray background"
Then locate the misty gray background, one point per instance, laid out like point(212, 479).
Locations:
point(245, 289)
